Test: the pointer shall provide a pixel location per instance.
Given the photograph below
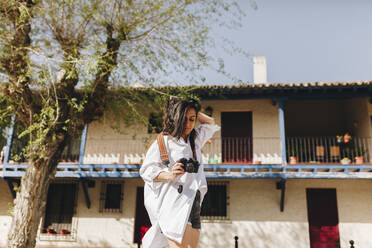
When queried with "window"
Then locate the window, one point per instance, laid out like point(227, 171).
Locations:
point(215, 203)
point(111, 196)
point(71, 151)
point(60, 209)
point(155, 123)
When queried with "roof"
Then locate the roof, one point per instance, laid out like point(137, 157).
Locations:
point(276, 91)
point(291, 85)
point(287, 90)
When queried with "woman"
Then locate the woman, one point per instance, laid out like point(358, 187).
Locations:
point(173, 197)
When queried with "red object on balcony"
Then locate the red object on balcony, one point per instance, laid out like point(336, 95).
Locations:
point(293, 160)
point(359, 160)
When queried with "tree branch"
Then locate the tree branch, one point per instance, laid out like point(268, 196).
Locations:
point(170, 16)
point(15, 62)
point(97, 98)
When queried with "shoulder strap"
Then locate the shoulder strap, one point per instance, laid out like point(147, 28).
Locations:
point(162, 149)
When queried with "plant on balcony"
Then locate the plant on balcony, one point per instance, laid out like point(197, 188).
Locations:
point(355, 152)
point(50, 231)
point(359, 152)
point(344, 139)
point(345, 160)
point(293, 155)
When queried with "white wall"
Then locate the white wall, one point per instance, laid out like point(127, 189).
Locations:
point(254, 215)
point(256, 218)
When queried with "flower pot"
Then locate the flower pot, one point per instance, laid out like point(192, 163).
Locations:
point(359, 160)
point(345, 161)
point(293, 160)
point(50, 231)
point(65, 232)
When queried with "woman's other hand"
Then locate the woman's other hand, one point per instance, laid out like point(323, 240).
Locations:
point(164, 176)
point(177, 170)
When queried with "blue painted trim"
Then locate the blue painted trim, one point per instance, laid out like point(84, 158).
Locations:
point(309, 171)
point(82, 145)
point(283, 147)
point(8, 145)
point(282, 182)
point(85, 190)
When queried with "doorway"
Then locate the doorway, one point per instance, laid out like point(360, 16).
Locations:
point(236, 135)
point(142, 222)
point(323, 218)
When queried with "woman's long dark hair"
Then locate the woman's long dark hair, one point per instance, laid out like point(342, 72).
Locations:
point(175, 117)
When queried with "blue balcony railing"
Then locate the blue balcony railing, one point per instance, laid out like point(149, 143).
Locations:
point(316, 157)
point(329, 150)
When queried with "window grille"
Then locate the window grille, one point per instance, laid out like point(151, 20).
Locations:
point(60, 209)
point(111, 197)
point(216, 201)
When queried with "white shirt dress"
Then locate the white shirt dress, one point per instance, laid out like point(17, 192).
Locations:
point(168, 209)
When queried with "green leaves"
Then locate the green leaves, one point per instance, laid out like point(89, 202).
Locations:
point(81, 56)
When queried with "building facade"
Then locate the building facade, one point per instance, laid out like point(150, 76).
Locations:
point(291, 167)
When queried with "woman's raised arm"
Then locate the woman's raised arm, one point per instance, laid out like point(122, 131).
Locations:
point(205, 119)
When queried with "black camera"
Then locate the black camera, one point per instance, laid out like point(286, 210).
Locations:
point(189, 165)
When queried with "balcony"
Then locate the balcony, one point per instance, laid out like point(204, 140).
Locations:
point(69, 155)
point(329, 150)
point(316, 157)
point(215, 151)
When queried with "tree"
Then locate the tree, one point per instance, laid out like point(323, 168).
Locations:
point(60, 61)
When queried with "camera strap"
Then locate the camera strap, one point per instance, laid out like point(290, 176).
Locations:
point(163, 151)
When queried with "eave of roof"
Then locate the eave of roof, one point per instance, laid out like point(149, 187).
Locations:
point(284, 85)
point(314, 90)
point(310, 90)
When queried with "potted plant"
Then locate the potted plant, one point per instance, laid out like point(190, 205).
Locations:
point(293, 155)
point(345, 160)
point(359, 152)
point(65, 232)
point(50, 230)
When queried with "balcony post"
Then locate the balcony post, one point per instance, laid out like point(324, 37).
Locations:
point(82, 146)
point(8, 144)
point(283, 147)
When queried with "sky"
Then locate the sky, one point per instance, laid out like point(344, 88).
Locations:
point(302, 40)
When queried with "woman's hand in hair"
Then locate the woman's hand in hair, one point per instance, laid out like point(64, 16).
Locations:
point(205, 119)
point(177, 171)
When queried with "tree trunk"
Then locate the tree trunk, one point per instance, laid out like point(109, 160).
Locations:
point(30, 205)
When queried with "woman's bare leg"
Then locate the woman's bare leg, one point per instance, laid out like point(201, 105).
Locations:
point(190, 239)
